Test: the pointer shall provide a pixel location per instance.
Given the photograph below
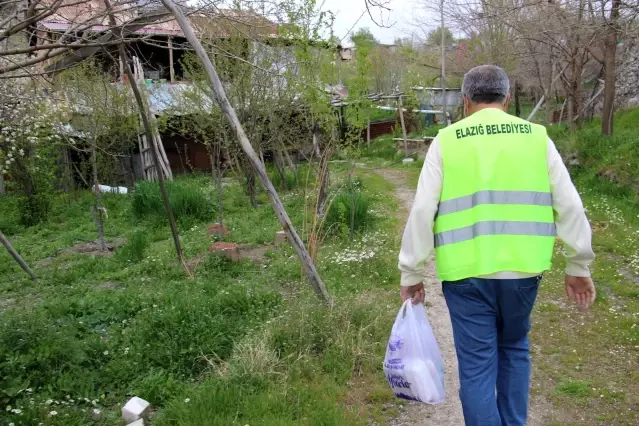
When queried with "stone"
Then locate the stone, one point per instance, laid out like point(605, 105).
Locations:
point(280, 237)
point(229, 250)
point(407, 160)
point(135, 409)
point(218, 230)
point(138, 422)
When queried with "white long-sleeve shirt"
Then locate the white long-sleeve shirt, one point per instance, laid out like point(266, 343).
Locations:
point(572, 225)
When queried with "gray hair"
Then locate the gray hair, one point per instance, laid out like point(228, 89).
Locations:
point(486, 84)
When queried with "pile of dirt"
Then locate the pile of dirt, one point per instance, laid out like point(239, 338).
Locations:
point(93, 248)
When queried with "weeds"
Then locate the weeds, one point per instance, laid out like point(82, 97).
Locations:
point(348, 212)
point(187, 199)
point(135, 249)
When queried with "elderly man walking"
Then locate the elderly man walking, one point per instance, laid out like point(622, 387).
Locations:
point(491, 198)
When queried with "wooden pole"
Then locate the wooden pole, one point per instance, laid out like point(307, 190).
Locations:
point(149, 134)
point(595, 96)
point(16, 256)
point(368, 133)
point(401, 119)
point(220, 97)
point(561, 113)
point(543, 98)
point(171, 70)
point(443, 80)
point(121, 71)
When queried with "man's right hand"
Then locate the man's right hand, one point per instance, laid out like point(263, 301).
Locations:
point(581, 290)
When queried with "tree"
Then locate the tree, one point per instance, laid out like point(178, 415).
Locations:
point(604, 50)
point(363, 37)
point(106, 117)
point(435, 37)
point(28, 139)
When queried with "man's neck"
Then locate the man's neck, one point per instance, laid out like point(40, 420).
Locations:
point(479, 107)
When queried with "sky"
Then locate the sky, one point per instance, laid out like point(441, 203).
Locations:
point(400, 18)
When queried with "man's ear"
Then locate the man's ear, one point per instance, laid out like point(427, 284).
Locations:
point(467, 106)
point(507, 102)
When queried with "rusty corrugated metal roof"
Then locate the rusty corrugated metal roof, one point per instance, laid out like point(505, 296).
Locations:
point(91, 16)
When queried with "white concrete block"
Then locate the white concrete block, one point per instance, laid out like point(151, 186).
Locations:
point(407, 160)
point(139, 422)
point(135, 409)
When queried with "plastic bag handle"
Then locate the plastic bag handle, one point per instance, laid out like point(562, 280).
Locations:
point(405, 311)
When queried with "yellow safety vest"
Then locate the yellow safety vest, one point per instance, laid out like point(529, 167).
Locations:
point(495, 212)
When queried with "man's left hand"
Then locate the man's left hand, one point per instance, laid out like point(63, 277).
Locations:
point(414, 292)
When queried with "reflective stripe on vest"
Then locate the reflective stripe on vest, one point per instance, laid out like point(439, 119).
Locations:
point(478, 229)
point(494, 197)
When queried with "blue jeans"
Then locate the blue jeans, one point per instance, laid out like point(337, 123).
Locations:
point(491, 320)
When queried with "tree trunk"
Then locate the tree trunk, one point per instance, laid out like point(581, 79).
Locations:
point(291, 164)
point(220, 217)
point(148, 132)
point(1, 184)
point(216, 174)
point(549, 105)
point(229, 112)
point(610, 70)
point(571, 112)
point(577, 95)
point(279, 165)
point(16, 256)
point(517, 103)
point(99, 209)
point(250, 184)
point(69, 184)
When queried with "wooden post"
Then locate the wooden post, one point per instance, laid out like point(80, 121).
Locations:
point(1, 184)
point(368, 134)
point(443, 79)
point(583, 108)
point(16, 256)
point(171, 70)
point(561, 113)
point(543, 98)
point(401, 119)
point(148, 132)
point(220, 97)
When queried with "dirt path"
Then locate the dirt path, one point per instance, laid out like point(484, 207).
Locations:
point(449, 413)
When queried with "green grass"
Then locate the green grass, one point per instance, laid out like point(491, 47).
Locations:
point(239, 343)
point(585, 360)
point(574, 388)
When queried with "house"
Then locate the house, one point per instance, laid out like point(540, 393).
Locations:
point(431, 98)
point(151, 34)
point(154, 37)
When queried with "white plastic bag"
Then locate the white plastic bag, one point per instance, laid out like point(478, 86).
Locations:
point(413, 365)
